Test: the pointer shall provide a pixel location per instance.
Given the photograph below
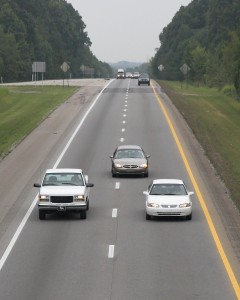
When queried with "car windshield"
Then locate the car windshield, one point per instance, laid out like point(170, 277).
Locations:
point(168, 189)
point(63, 179)
point(144, 75)
point(129, 153)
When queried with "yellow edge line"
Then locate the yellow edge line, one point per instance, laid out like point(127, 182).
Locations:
point(202, 202)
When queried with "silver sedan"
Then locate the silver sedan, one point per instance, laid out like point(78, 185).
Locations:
point(129, 160)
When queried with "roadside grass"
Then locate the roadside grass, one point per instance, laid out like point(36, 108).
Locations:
point(22, 108)
point(214, 118)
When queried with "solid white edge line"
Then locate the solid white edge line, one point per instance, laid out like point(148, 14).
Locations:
point(28, 213)
point(111, 251)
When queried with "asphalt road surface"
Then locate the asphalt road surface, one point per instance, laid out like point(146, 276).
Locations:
point(115, 254)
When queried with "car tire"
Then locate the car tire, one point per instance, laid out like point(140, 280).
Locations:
point(42, 215)
point(189, 217)
point(146, 174)
point(83, 214)
point(114, 174)
point(149, 83)
point(139, 84)
point(148, 217)
point(87, 205)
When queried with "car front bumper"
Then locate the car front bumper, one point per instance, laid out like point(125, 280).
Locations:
point(53, 207)
point(159, 211)
point(129, 171)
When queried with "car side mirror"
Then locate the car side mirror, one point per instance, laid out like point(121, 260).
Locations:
point(145, 193)
point(111, 156)
point(89, 185)
point(37, 185)
point(190, 193)
point(147, 156)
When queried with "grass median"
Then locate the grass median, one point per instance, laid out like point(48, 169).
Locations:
point(215, 121)
point(22, 108)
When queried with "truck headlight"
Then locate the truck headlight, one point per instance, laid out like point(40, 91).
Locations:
point(43, 198)
point(79, 198)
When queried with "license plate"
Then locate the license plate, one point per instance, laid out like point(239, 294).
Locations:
point(61, 208)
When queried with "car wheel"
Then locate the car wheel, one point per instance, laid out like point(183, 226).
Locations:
point(149, 83)
point(139, 84)
point(189, 217)
point(148, 217)
point(87, 205)
point(42, 215)
point(83, 214)
point(114, 174)
point(146, 174)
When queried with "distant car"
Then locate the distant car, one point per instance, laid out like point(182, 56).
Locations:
point(168, 197)
point(63, 190)
point(129, 159)
point(129, 75)
point(136, 75)
point(143, 79)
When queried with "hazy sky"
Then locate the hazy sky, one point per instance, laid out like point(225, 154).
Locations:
point(126, 29)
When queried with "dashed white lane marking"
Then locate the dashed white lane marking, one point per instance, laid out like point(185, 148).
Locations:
point(123, 129)
point(117, 185)
point(126, 98)
point(114, 213)
point(121, 140)
point(111, 251)
point(125, 109)
point(124, 115)
point(126, 101)
point(126, 105)
point(124, 122)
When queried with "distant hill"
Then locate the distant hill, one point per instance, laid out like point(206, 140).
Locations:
point(125, 65)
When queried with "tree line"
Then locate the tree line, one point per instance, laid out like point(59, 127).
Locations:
point(205, 35)
point(50, 31)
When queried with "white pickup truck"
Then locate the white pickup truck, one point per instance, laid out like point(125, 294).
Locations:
point(63, 190)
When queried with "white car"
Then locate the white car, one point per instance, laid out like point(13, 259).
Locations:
point(63, 190)
point(168, 197)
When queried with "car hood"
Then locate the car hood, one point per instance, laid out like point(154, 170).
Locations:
point(130, 161)
point(168, 200)
point(62, 190)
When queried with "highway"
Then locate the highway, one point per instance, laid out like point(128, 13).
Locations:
point(115, 254)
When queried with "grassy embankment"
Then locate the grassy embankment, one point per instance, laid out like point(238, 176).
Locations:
point(23, 108)
point(215, 120)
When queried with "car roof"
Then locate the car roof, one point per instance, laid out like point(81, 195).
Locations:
point(129, 147)
point(64, 170)
point(167, 181)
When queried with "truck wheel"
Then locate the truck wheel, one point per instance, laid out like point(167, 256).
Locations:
point(83, 214)
point(42, 215)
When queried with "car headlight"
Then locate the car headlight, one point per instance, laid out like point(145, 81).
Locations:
point(152, 204)
point(43, 198)
point(143, 165)
point(79, 198)
point(118, 165)
point(185, 205)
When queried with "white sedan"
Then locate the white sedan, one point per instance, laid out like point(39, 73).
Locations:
point(168, 197)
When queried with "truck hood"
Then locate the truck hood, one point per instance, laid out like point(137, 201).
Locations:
point(62, 190)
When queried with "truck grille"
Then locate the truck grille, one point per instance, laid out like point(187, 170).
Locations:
point(61, 199)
